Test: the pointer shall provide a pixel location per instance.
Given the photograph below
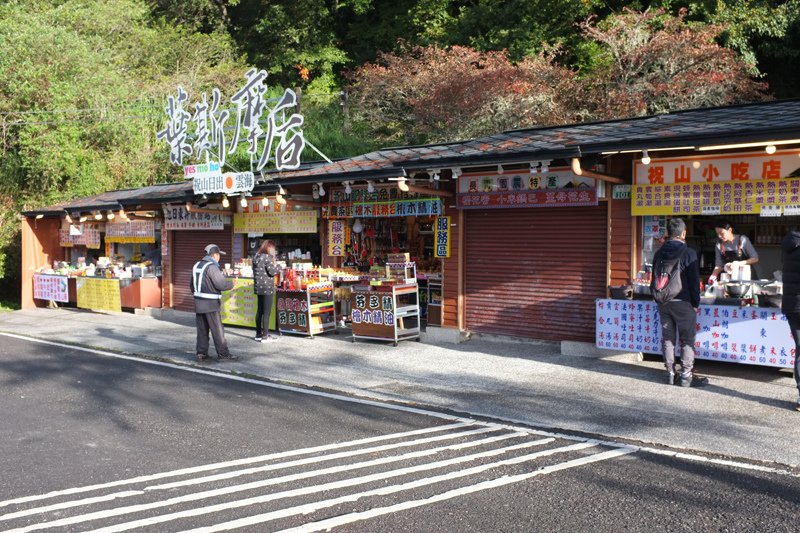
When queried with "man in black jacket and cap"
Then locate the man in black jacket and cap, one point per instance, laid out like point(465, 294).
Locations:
point(679, 315)
point(790, 302)
point(208, 282)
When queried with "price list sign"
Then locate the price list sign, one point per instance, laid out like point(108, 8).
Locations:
point(292, 310)
point(53, 288)
point(98, 294)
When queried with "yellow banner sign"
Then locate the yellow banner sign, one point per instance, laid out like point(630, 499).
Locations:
point(239, 305)
point(272, 222)
point(729, 198)
point(98, 294)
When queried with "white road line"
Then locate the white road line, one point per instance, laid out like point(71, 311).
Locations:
point(326, 525)
point(380, 476)
point(279, 466)
point(318, 459)
point(383, 491)
point(237, 462)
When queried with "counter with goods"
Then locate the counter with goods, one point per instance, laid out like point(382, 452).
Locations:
point(736, 333)
point(308, 310)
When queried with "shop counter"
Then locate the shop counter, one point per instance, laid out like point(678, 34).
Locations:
point(139, 293)
point(749, 335)
point(239, 305)
point(308, 311)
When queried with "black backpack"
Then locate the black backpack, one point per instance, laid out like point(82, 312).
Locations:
point(667, 278)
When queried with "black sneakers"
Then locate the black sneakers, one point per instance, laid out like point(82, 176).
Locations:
point(694, 381)
point(202, 358)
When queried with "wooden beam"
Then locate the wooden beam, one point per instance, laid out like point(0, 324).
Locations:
point(434, 192)
point(601, 177)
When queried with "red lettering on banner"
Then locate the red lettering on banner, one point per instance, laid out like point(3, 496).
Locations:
point(710, 172)
point(740, 171)
point(771, 170)
point(655, 174)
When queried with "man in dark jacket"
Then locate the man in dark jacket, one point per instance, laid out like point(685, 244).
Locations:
point(679, 315)
point(790, 303)
point(207, 284)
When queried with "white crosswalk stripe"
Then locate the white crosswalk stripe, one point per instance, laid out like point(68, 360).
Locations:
point(275, 491)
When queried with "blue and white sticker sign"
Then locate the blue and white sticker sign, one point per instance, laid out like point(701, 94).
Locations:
point(228, 183)
point(441, 236)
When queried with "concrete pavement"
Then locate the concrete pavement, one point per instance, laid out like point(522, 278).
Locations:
point(746, 412)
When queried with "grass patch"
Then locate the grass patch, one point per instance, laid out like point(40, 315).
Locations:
point(8, 305)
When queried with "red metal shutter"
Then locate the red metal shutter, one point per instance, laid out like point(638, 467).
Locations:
point(535, 272)
point(187, 249)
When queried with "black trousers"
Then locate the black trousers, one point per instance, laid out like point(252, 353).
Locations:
point(263, 310)
point(794, 327)
point(211, 322)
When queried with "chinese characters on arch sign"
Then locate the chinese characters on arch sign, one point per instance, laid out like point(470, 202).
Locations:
point(736, 184)
point(555, 188)
point(271, 134)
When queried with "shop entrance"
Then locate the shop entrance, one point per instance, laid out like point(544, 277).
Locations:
point(535, 272)
point(187, 249)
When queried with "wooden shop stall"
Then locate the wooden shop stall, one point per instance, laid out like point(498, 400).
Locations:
point(739, 319)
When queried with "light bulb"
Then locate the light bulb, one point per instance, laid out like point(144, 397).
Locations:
point(225, 202)
point(98, 216)
point(771, 149)
point(280, 199)
point(545, 166)
point(110, 214)
point(499, 169)
point(576, 166)
point(645, 157)
point(123, 214)
point(188, 207)
point(243, 201)
point(402, 185)
point(456, 172)
point(357, 227)
point(321, 189)
point(695, 164)
point(39, 217)
point(534, 167)
point(435, 176)
point(82, 219)
point(265, 201)
point(315, 191)
point(68, 219)
point(280, 190)
point(370, 186)
point(347, 188)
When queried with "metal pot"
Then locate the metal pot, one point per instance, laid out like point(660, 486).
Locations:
point(737, 289)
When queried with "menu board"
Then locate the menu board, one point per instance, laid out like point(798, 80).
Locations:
point(132, 231)
point(98, 294)
point(238, 305)
point(372, 314)
point(82, 235)
point(292, 309)
point(274, 218)
point(749, 335)
point(47, 287)
point(178, 218)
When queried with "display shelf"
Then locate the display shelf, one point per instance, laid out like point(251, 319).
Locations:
point(430, 289)
point(308, 311)
point(387, 313)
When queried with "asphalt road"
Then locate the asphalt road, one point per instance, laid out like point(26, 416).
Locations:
point(94, 442)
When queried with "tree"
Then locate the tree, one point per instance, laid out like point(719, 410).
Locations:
point(432, 94)
point(651, 62)
point(82, 90)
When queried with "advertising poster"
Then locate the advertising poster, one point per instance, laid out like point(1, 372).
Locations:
point(55, 288)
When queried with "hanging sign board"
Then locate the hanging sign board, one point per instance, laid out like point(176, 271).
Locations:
point(212, 169)
point(135, 231)
point(384, 201)
point(441, 237)
point(178, 218)
point(336, 241)
point(732, 184)
point(554, 188)
point(46, 287)
point(88, 235)
point(228, 183)
point(98, 294)
point(274, 218)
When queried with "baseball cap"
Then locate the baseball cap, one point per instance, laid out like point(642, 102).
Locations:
point(214, 249)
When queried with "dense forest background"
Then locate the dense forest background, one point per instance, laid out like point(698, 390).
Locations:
point(83, 83)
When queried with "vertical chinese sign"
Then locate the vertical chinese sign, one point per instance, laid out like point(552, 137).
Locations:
point(336, 238)
point(441, 237)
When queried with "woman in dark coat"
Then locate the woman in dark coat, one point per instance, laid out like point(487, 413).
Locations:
point(264, 271)
point(790, 304)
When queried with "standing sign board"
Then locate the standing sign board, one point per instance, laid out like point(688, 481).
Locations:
point(47, 287)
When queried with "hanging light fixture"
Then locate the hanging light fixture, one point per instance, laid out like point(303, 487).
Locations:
point(265, 201)
point(645, 157)
point(315, 191)
point(225, 202)
point(770, 149)
point(39, 216)
point(347, 188)
point(435, 175)
point(357, 227)
point(281, 191)
point(243, 201)
point(695, 164)
point(576, 166)
point(499, 169)
point(123, 214)
point(545, 166)
point(110, 214)
point(321, 189)
point(403, 185)
point(82, 218)
point(188, 207)
point(370, 186)
point(98, 216)
point(456, 172)
point(280, 199)
point(534, 167)
point(68, 218)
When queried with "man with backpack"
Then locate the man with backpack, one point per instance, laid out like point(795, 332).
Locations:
point(676, 288)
